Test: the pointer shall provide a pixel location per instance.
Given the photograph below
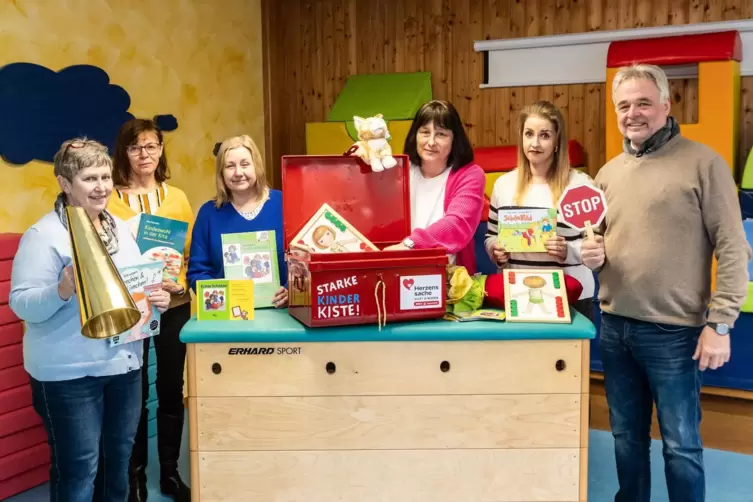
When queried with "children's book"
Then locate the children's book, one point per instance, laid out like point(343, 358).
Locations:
point(536, 295)
point(253, 255)
point(163, 239)
point(476, 315)
point(526, 229)
point(225, 300)
point(328, 232)
point(141, 279)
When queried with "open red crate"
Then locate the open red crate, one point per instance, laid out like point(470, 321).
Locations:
point(334, 289)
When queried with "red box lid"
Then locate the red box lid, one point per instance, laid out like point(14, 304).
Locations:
point(377, 204)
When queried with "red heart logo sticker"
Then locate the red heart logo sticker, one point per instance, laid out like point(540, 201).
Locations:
point(408, 283)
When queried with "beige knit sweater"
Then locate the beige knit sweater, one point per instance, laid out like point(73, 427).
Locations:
point(668, 213)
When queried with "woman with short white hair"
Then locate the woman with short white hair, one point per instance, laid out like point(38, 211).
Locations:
point(87, 393)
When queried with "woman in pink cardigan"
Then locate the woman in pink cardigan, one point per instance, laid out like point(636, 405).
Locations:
point(446, 187)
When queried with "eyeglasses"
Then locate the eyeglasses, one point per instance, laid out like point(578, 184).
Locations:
point(74, 145)
point(151, 149)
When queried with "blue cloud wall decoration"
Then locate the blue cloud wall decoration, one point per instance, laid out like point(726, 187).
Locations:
point(41, 108)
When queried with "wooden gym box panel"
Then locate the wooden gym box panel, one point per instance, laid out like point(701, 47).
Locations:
point(423, 411)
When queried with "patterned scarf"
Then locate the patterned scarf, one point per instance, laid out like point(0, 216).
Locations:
point(107, 233)
point(656, 141)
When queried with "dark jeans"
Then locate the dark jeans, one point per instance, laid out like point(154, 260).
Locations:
point(90, 425)
point(171, 357)
point(645, 363)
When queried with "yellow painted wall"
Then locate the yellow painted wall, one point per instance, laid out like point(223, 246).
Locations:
point(199, 60)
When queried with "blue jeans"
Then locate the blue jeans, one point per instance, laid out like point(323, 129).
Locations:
point(644, 363)
point(90, 425)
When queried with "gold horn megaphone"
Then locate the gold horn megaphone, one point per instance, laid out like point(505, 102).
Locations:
point(107, 308)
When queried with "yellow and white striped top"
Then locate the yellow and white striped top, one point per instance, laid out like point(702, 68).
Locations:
point(147, 203)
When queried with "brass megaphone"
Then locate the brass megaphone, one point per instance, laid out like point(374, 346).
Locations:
point(107, 308)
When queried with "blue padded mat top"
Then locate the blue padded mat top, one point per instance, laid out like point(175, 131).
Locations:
point(271, 326)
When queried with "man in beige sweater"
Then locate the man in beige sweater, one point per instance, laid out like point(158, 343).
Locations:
point(672, 205)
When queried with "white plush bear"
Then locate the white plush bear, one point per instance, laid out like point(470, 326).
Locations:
point(372, 146)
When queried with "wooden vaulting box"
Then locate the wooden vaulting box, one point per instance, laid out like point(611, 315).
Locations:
point(336, 289)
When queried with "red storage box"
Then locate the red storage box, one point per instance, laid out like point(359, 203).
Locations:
point(335, 289)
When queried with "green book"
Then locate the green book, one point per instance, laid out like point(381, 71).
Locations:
point(225, 300)
point(253, 255)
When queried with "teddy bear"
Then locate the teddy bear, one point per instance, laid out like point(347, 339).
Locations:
point(372, 146)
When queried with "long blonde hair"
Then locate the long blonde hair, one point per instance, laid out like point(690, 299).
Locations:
point(559, 173)
point(223, 194)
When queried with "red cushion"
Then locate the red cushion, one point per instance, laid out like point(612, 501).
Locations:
point(25, 481)
point(24, 460)
point(14, 376)
point(9, 245)
point(22, 440)
point(495, 291)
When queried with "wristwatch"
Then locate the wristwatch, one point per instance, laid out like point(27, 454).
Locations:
point(719, 327)
point(408, 242)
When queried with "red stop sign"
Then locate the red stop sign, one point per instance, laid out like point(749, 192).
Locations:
point(581, 204)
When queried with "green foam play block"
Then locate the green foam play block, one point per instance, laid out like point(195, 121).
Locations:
point(397, 96)
point(747, 181)
point(748, 305)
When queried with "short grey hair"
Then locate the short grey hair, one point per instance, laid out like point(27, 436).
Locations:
point(77, 154)
point(645, 71)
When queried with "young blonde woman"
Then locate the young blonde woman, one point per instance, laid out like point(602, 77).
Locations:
point(542, 175)
point(140, 174)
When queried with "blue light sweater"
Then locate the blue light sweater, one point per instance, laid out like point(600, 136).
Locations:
point(54, 348)
point(205, 260)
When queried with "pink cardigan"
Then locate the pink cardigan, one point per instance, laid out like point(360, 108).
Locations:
point(463, 204)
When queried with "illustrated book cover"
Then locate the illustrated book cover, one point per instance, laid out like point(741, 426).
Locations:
point(253, 255)
point(525, 230)
point(328, 232)
point(140, 280)
point(225, 300)
point(163, 239)
point(536, 295)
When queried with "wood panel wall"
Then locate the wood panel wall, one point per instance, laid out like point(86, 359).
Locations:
point(313, 46)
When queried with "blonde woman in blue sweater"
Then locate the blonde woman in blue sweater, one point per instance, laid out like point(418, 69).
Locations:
point(87, 393)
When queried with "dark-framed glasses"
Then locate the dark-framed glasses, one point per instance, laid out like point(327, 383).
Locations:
point(151, 149)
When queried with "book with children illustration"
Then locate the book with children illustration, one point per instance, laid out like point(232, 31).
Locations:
point(253, 255)
point(536, 295)
point(141, 279)
point(225, 300)
point(162, 239)
point(486, 314)
point(526, 230)
point(328, 232)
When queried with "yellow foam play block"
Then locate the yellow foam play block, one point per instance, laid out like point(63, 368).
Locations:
point(332, 138)
point(491, 178)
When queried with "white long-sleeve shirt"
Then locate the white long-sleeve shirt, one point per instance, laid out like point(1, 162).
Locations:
point(540, 195)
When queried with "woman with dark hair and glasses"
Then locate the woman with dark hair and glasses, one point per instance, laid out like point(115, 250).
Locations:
point(86, 392)
point(141, 174)
point(446, 186)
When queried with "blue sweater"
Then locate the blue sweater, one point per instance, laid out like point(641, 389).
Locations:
point(205, 260)
point(54, 348)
